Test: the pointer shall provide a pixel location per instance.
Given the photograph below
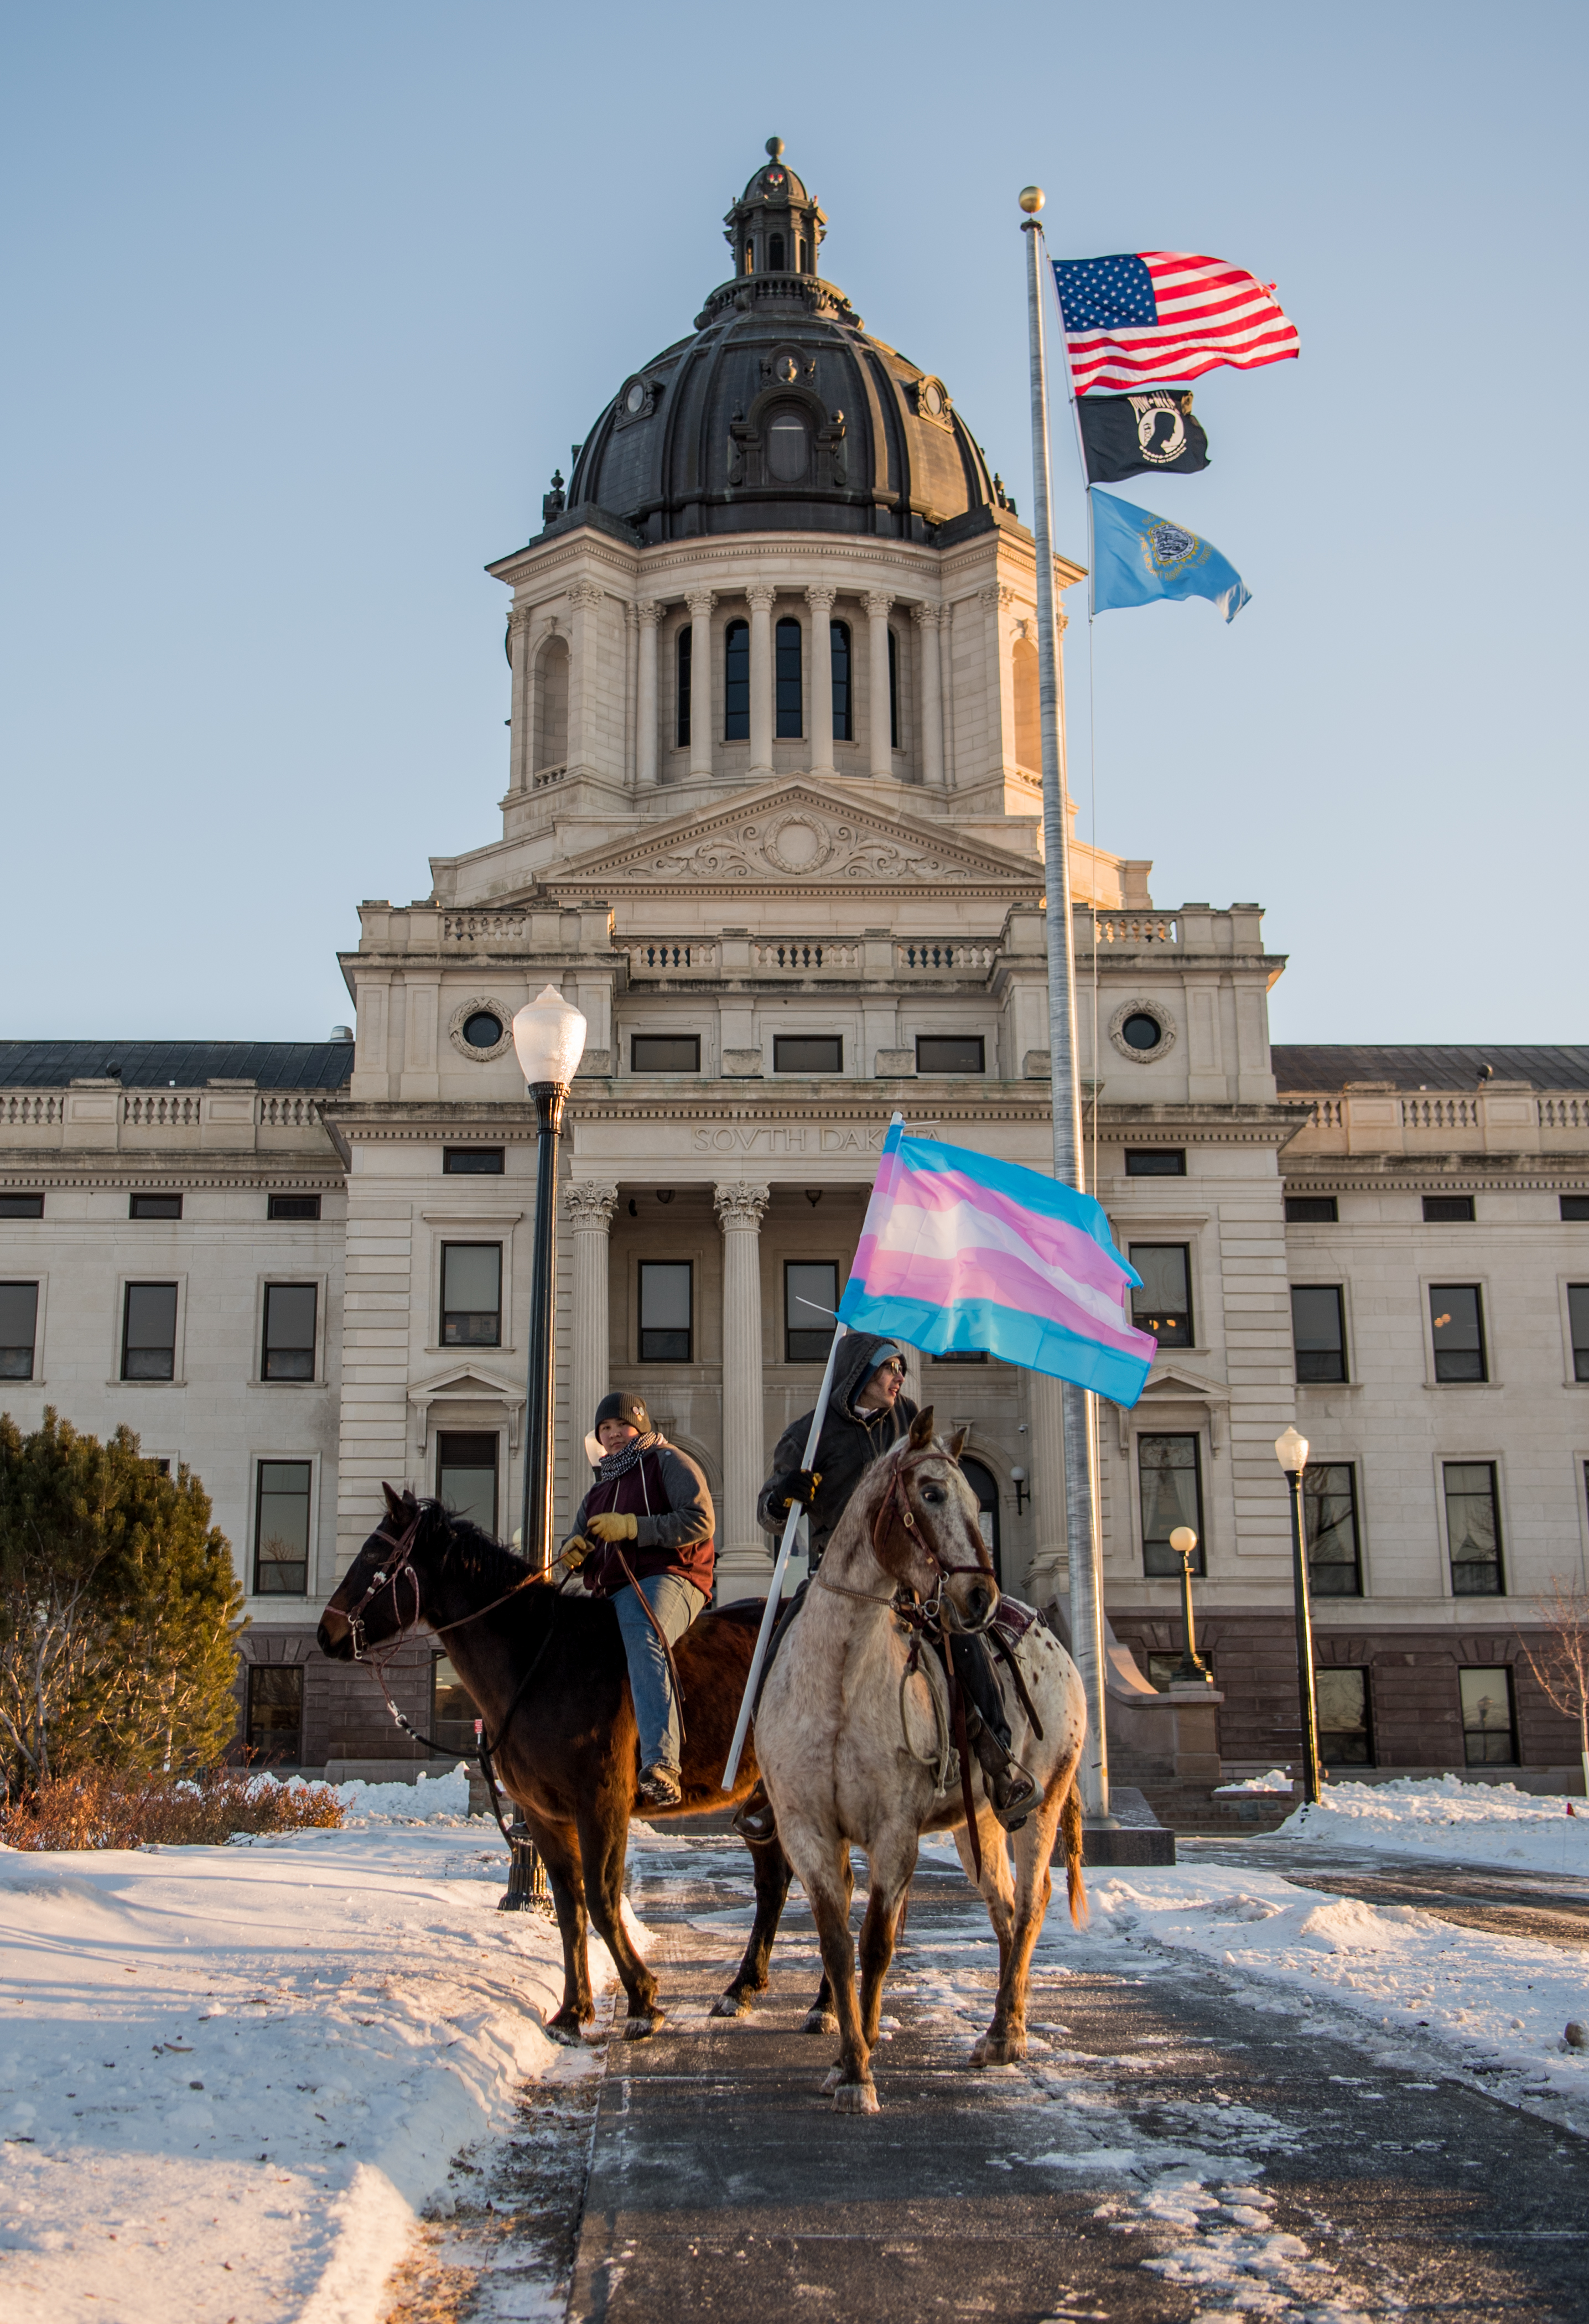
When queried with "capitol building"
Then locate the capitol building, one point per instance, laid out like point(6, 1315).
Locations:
point(772, 819)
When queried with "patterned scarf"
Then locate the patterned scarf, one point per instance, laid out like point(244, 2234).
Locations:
point(617, 1464)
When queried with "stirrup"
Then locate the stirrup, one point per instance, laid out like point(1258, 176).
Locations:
point(756, 1825)
point(1019, 1795)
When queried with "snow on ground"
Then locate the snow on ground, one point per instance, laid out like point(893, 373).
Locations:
point(230, 2076)
point(1498, 2000)
point(1441, 1815)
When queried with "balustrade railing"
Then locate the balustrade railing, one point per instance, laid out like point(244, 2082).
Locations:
point(808, 957)
point(946, 959)
point(286, 1109)
point(161, 1109)
point(1440, 1112)
point(29, 1108)
point(1328, 1113)
point(1139, 929)
point(672, 959)
point(483, 927)
point(1564, 1113)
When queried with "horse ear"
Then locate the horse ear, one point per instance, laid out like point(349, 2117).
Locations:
point(921, 1429)
point(957, 1441)
point(393, 1506)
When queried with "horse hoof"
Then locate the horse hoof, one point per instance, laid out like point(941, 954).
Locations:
point(566, 2031)
point(831, 2081)
point(640, 2029)
point(730, 2005)
point(1000, 2049)
point(855, 2097)
point(820, 2021)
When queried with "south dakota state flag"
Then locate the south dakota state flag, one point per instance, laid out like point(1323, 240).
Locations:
point(961, 1251)
point(1138, 557)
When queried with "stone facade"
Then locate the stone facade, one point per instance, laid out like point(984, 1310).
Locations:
point(806, 858)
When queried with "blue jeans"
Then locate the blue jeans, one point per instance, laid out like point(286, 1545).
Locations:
point(675, 1602)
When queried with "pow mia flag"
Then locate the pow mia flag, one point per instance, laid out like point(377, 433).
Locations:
point(1139, 434)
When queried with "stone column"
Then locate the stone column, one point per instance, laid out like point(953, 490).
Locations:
point(700, 602)
point(631, 664)
point(997, 599)
point(761, 600)
point(883, 757)
point(584, 603)
point(519, 741)
point(926, 618)
point(648, 613)
point(743, 1560)
point(590, 1207)
point(1048, 1574)
point(820, 601)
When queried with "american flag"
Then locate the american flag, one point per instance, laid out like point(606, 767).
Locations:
point(1152, 317)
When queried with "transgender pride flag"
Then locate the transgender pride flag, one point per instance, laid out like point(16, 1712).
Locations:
point(960, 1251)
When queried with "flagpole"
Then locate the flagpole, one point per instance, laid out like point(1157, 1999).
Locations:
point(1081, 1531)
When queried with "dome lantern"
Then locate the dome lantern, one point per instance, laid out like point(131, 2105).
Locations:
point(776, 226)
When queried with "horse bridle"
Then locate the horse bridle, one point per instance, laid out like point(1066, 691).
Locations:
point(895, 1505)
point(402, 1562)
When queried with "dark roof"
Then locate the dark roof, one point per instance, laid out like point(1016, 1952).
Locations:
point(1300, 1066)
point(152, 1064)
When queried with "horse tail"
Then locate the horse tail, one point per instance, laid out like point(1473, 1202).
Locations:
point(1070, 1825)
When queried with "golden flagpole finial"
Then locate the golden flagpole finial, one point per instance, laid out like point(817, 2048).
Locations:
point(1031, 199)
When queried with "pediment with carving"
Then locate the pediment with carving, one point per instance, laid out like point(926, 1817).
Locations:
point(798, 837)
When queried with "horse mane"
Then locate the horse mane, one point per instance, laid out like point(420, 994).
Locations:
point(473, 1552)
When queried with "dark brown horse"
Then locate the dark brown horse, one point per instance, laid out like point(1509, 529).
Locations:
point(570, 1754)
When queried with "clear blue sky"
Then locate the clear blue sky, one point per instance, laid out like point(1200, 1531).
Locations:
point(303, 304)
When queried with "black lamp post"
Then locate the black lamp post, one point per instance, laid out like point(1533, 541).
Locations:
point(1192, 1670)
point(549, 1036)
point(1291, 1452)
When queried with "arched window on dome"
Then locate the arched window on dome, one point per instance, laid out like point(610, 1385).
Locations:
point(1029, 731)
point(787, 677)
point(775, 253)
point(682, 695)
point(800, 253)
point(552, 706)
point(844, 730)
point(748, 257)
point(736, 682)
point(789, 447)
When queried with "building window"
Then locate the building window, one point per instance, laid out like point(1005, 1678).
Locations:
point(288, 1352)
point(1162, 1302)
point(789, 447)
point(736, 682)
point(667, 1312)
point(963, 1356)
point(1312, 1211)
point(1578, 1328)
point(281, 1528)
point(665, 1053)
point(273, 1717)
point(1318, 1331)
point(1574, 1208)
point(844, 728)
point(453, 1711)
point(293, 1206)
point(1329, 1524)
point(950, 1053)
point(786, 662)
point(802, 1053)
point(1488, 1718)
point(466, 1476)
point(893, 691)
point(683, 651)
point(154, 1206)
point(482, 1029)
point(775, 253)
point(472, 1161)
point(149, 1332)
point(982, 1481)
point(19, 1327)
point(22, 1206)
point(1456, 1314)
point(1171, 1479)
point(1155, 1162)
point(1472, 1528)
point(1141, 1031)
point(1162, 1668)
point(471, 1295)
point(1346, 1730)
point(807, 1330)
point(1448, 1209)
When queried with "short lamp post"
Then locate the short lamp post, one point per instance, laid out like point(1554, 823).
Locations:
point(1192, 1670)
point(549, 1036)
point(1291, 1452)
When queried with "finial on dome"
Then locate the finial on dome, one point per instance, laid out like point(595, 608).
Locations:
point(775, 146)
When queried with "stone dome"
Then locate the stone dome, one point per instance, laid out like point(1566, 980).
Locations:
point(779, 413)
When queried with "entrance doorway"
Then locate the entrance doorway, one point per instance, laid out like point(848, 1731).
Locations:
point(981, 1481)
